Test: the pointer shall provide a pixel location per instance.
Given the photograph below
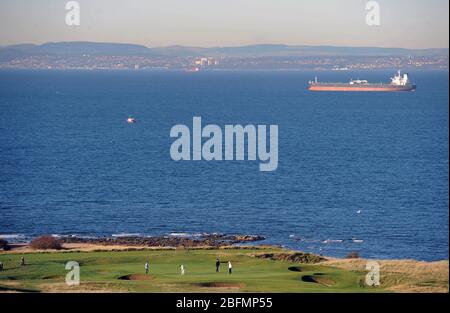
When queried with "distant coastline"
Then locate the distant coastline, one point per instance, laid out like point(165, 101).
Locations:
point(180, 70)
point(99, 55)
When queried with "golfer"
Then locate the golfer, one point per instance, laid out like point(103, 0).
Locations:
point(217, 265)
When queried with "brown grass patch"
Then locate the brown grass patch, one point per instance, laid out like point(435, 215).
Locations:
point(84, 287)
point(404, 275)
point(13, 287)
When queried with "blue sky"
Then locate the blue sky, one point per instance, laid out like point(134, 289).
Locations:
point(404, 23)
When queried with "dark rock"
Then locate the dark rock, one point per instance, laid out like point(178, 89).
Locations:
point(297, 257)
point(207, 240)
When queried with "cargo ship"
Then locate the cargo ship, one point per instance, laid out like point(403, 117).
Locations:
point(398, 83)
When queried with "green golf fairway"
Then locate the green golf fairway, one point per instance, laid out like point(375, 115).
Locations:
point(124, 272)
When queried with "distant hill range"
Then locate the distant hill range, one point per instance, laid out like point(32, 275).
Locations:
point(79, 48)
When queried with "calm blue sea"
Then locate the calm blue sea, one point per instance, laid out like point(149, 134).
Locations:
point(70, 164)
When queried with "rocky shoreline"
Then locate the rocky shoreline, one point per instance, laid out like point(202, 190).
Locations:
point(206, 240)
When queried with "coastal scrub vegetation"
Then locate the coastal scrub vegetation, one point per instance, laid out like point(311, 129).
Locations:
point(4, 244)
point(353, 255)
point(45, 243)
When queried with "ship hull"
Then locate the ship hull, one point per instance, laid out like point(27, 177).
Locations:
point(365, 88)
